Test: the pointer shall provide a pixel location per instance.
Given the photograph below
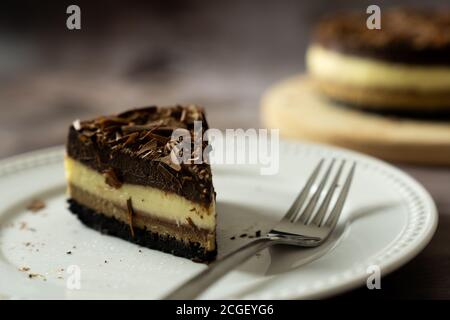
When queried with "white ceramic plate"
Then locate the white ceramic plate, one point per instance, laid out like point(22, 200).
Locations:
point(387, 220)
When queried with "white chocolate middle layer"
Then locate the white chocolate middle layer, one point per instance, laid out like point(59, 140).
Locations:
point(351, 70)
point(155, 202)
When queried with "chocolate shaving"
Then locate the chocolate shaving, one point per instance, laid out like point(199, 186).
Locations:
point(118, 141)
point(104, 122)
point(131, 139)
point(143, 127)
point(149, 146)
point(111, 178)
point(183, 115)
point(168, 160)
point(77, 124)
point(191, 223)
point(149, 153)
point(89, 134)
point(157, 137)
point(85, 139)
point(36, 205)
point(130, 216)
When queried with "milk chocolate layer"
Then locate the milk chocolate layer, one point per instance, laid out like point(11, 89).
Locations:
point(400, 102)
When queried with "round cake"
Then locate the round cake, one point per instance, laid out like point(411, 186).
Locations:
point(404, 66)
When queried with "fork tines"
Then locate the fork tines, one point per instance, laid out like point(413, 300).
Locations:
point(305, 212)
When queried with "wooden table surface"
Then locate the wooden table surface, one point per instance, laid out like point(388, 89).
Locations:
point(222, 56)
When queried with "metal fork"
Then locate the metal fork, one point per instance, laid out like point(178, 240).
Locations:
point(301, 226)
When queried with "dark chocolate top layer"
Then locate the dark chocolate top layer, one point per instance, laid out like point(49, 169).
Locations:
point(135, 147)
point(407, 35)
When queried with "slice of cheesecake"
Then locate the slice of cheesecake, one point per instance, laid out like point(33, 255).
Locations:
point(123, 181)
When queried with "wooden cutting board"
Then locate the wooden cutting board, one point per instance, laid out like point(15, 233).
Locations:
point(300, 112)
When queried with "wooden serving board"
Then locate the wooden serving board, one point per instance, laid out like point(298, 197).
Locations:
point(295, 107)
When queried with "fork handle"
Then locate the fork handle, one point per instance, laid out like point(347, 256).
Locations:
point(196, 285)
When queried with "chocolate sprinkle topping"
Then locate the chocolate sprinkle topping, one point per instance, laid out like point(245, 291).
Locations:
point(111, 178)
point(407, 35)
point(136, 146)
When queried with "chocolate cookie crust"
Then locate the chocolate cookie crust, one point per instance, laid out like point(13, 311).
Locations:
point(407, 36)
point(146, 238)
point(134, 147)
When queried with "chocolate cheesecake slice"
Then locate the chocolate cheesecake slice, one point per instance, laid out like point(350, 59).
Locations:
point(124, 180)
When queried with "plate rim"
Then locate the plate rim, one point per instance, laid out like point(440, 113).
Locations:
point(353, 276)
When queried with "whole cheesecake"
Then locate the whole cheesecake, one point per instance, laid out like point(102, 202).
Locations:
point(123, 182)
point(404, 66)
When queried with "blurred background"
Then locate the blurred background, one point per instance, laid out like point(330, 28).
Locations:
point(219, 54)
